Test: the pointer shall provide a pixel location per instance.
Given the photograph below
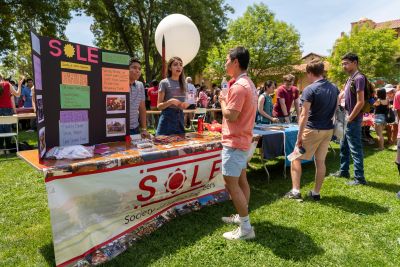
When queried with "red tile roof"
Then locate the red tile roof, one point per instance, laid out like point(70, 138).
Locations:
point(393, 24)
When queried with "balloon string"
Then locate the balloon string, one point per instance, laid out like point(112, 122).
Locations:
point(163, 58)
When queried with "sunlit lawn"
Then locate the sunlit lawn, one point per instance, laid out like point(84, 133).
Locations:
point(350, 226)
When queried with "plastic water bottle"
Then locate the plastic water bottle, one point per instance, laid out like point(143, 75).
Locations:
point(297, 152)
point(224, 84)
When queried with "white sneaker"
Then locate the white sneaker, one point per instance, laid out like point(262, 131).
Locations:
point(233, 219)
point(239, 234)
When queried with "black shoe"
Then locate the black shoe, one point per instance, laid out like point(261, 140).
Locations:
point(291, 195)
point(356, 182)
point(339, 174)
point(314, 197)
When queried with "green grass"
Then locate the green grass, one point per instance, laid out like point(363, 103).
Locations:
point(350, 226)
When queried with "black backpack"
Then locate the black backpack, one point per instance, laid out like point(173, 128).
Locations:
point(390, 117)
point(368, 93)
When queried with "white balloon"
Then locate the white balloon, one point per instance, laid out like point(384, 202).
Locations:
point(182, 38)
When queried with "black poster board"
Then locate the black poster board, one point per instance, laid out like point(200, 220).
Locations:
point(82, 93)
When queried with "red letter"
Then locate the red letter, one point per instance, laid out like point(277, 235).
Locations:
point(196, 170)
point(144, 187)
point(92, 58)
point(58, 50)
point(78, 53)
point(214, 168)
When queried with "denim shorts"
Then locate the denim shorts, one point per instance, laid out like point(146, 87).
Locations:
point(380, 119)
point(233, 161)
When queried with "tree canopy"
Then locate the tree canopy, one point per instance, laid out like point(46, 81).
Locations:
point(129, 26)
point(273, 45)
point(47, 17)
point(377, 50)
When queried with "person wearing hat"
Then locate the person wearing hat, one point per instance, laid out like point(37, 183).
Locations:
point(391, 128)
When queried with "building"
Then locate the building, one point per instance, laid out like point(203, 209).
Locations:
point(391, 24)
point(300, 70)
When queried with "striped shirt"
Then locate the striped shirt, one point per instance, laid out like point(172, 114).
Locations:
point(136, 95)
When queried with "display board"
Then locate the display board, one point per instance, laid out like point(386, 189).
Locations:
point(82, 93)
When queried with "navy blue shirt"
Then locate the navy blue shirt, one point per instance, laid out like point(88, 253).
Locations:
point(323, 98)
point(26, 92)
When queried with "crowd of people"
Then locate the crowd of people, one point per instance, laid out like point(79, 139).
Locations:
point(198, 96)
point(12, 96)
point(315, 113)
point(242, 106)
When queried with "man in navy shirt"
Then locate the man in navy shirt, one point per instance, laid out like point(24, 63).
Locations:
point(319, 101)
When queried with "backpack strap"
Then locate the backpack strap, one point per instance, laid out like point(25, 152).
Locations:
point(353, 85)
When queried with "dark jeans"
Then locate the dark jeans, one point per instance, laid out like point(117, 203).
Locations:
point(134, 131)
point(5, 128)
point(352, 145)
point(171, 122)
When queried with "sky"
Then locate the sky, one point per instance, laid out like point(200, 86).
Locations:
point(319, 22)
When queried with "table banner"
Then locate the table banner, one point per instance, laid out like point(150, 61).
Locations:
point(95, 216)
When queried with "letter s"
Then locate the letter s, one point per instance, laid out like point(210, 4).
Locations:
point(58, 51)
point(144, 187)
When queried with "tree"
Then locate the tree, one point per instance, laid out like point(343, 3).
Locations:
point(129, 26)
point(377, 50)
point(47, 17)
point(273, 45)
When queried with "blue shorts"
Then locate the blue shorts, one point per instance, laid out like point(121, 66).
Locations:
point(233, 161)
point(380, 119)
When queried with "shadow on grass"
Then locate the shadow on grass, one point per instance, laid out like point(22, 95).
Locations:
point(286, 242)
point(9, 157)
point(188, 229)
point(179, 233)
point(393, 188)
point(352, 205)
point(47, 252)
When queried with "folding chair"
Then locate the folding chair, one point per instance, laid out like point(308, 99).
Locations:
point(199, 112)
point(10, 120)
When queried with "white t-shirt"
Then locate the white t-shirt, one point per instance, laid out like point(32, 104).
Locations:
point(191, 94)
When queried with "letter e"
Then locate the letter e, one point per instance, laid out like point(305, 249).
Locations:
point(92, 55)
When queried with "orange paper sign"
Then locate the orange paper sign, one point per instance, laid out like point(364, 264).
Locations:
point(74, 78)
point(115, 80)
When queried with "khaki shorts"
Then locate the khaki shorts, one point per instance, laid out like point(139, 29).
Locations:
point(316, 143)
